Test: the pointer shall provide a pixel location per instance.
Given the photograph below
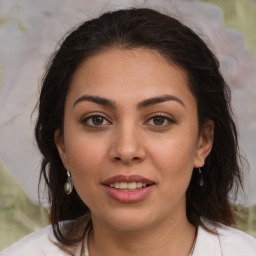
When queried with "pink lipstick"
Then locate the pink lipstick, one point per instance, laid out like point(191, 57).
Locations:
point(128, 189)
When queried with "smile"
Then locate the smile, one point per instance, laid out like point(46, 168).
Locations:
point(128, 189)
point(129, 186)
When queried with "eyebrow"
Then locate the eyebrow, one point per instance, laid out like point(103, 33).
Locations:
point(96, 99)
point(156, 100)
point(144, 104)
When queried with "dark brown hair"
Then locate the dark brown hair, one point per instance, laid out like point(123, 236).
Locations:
point(149, 29)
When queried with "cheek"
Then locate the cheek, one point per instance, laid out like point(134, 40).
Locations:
point(174, 152)
point(174, 159)
point(86, 159)
point(85, 155)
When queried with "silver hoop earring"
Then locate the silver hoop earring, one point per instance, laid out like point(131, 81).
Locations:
point(200, 178)
point(68, 186)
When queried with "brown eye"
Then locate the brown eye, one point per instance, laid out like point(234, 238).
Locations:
point(158, 120)
point(97, 120)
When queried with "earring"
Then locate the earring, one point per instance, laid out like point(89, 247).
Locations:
point(200, 178)
point(68, 186)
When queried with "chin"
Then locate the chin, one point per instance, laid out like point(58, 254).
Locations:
point(129, 220)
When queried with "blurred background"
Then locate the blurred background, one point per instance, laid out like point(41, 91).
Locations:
point(29, 32)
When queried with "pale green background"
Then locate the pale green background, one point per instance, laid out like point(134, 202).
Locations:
point(19, 216)
point(240, 15)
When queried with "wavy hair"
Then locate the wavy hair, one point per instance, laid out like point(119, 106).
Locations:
point(149, 29)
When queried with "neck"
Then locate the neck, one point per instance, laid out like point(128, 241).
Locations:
point(174, 238)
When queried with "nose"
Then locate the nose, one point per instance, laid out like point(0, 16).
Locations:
point(127, 145)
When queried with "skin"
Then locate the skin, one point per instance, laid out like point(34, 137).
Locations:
point(128, 141)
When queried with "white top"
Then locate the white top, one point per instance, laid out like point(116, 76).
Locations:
point(227, 242)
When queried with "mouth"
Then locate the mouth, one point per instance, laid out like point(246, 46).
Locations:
point(129, 186)
point(128, 183)
point(129, 189)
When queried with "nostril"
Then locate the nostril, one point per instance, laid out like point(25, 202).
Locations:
point(132, 159)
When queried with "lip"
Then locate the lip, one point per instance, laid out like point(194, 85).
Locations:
point(130, 178)
point(127, 196)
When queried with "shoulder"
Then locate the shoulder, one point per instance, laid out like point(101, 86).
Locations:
point(44, 243)
point(38, 243)
point(236, 242)
point(223, 241)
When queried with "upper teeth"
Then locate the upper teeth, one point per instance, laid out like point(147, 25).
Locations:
point(128, 185)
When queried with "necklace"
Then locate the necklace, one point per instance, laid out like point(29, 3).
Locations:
point(194, 243)
point(86, 253)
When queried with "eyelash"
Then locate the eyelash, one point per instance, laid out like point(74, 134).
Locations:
point(166, 118)
point(88, 117)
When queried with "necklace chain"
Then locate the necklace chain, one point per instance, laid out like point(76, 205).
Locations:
point(86, 253)
point(194, 243)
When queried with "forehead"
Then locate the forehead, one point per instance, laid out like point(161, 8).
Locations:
point(134, 73)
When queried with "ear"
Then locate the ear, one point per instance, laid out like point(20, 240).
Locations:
point(204, 143)
point(59, 142)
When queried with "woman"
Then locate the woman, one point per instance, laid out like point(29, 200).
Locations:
point(135, 123)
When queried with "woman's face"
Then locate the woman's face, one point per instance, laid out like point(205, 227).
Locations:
point(131, 138)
